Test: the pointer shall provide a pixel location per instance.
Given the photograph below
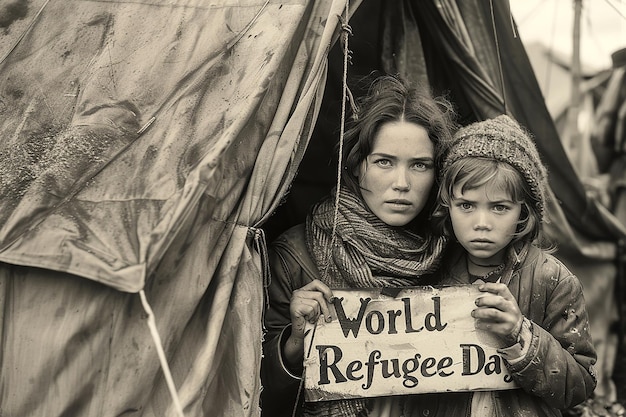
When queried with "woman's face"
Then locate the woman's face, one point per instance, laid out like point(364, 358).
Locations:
point(398, 174)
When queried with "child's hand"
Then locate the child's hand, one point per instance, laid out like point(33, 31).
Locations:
point(497, 311)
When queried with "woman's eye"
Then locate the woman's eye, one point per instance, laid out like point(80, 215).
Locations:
point(383, 162)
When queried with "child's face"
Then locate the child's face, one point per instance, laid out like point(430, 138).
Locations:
point(484, 222)
point(398, 174)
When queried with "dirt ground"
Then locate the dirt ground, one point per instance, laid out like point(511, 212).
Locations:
point(596, 407)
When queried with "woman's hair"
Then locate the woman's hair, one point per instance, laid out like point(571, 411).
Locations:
point(473, 172)
point(391, 99)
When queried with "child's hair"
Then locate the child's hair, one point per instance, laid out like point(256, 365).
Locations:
point(501, 154)
point(389, 99)
point(473, 172)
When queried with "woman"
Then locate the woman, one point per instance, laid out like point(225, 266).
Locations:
point(392, 151)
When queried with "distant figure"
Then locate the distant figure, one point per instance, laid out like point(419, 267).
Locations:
point(608, 137)
point(608, 140)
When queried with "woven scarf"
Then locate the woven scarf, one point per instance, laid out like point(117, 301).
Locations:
point(365, 253)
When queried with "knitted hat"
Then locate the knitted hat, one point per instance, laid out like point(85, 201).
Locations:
point(503, 139)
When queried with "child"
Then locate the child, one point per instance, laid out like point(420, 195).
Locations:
point(491, 200)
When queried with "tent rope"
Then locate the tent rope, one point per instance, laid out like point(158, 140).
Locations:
point(551, 64)
point(28, 28)
point(260, 244)
point(501, 73)
point(511, 21)
point(346, 31)
point(301, 384)
point(162, 359)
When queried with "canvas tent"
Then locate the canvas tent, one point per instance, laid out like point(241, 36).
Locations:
point(144, 146)
point(554, 75)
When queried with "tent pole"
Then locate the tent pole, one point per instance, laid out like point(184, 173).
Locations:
point(572, 138)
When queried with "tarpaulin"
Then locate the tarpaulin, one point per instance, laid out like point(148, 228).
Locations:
point(144, 144)
point(141, 143)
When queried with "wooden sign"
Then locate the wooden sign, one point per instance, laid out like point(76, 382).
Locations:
point(421, 339)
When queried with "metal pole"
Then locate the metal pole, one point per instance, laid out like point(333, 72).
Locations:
point(573, 138)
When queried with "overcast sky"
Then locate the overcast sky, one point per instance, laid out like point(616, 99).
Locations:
point(603, 27)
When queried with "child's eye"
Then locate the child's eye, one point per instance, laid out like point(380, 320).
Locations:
point(500, 208)
point(464, 205)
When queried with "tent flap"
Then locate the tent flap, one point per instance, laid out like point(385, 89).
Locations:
point(141, 141)
point(142, 112)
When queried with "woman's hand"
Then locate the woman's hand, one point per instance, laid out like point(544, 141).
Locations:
point(497, 312)
point(307, 303)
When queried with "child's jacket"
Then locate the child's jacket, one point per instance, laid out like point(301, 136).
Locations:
point(557, 373)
